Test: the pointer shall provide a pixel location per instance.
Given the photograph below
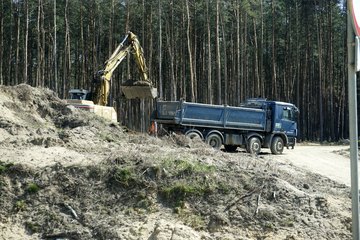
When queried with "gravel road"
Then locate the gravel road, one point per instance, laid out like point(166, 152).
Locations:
point(323, 160)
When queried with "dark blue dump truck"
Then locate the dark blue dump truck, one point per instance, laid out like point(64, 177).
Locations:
point(256, 124)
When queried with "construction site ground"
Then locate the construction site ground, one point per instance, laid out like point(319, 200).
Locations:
point(68, 174)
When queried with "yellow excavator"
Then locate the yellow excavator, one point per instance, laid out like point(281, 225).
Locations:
point(97, 100)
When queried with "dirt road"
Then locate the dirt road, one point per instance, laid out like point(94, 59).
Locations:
point(323, 160)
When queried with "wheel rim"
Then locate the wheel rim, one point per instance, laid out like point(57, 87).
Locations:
point(214, 141)
point(256, 146)
point(277, 145)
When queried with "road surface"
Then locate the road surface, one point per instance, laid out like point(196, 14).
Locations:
point(320, 159)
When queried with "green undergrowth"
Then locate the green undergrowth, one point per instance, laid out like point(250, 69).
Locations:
point(4, 167)
point(137, 186)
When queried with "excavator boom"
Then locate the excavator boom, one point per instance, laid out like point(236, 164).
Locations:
point(131, 89)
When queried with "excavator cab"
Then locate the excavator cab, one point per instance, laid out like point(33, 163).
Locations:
point(80, 94)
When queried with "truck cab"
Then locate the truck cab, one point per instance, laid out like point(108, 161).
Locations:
point(281, 124)
point(284, 121)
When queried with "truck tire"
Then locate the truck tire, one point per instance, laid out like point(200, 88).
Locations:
point(254, 145)
point(230, 148)
point(214, 140)
point(193, 135)
point(277, 145)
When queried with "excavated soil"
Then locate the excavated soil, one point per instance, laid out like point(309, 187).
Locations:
point(68, 174)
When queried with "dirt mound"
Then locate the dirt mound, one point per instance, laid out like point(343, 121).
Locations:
point(68, 174)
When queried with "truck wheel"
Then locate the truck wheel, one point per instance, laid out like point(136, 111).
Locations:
point(193, 135)
point(214, 140)
point(230, 148)
point(277, 145)
point(254, 145)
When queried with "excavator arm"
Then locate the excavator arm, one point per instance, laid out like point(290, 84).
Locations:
point(133, 89)
point(138, 53)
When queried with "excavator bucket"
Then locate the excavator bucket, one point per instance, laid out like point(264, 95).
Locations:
point(132, 92)
point(139, 90)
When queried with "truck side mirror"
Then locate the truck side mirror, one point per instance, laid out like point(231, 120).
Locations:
point(296, 114)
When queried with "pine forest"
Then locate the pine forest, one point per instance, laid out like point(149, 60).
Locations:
point(206, 51)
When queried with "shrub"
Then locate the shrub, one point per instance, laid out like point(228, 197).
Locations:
point(124, 176)
point(32, 188)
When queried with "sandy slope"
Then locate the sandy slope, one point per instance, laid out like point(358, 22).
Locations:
point(97, 180)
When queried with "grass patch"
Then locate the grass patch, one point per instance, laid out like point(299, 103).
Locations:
point(107, 137)
point(125, 176)
point(32, 188)
point(20, 205)
point(192, 220)
point(4, 167)
point(32, 227)
point(181, 167)
point(181, 191)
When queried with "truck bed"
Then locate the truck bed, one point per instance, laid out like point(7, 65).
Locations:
point(214, 116)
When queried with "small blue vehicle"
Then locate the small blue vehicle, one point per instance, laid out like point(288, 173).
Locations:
point(256, 124)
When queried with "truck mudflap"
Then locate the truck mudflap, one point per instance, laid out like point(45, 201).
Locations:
point(291, 142)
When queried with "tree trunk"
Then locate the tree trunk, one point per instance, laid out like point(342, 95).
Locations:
point(172, 65)
point(257, 89)
point(244, 59)
point(43, 46)
point(17, 52)
point(55, 84)
point(273, 58)
point(331, 73)
point(161, 94)
point(25, 70)
point(226, 82)
point(261, 53)
point(67, 53)
point(238, 55)
point(218, 55)
point(320, 87)
point(191, 66)
point(83, 83)
point(38, 48)
point(1, 42)
point(209, 59)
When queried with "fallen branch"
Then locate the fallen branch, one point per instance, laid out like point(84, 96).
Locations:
point(274, 196)
point(245, 196)
point(241, 198)
point(61, 235)
point(257, 204)
point(72, 211)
